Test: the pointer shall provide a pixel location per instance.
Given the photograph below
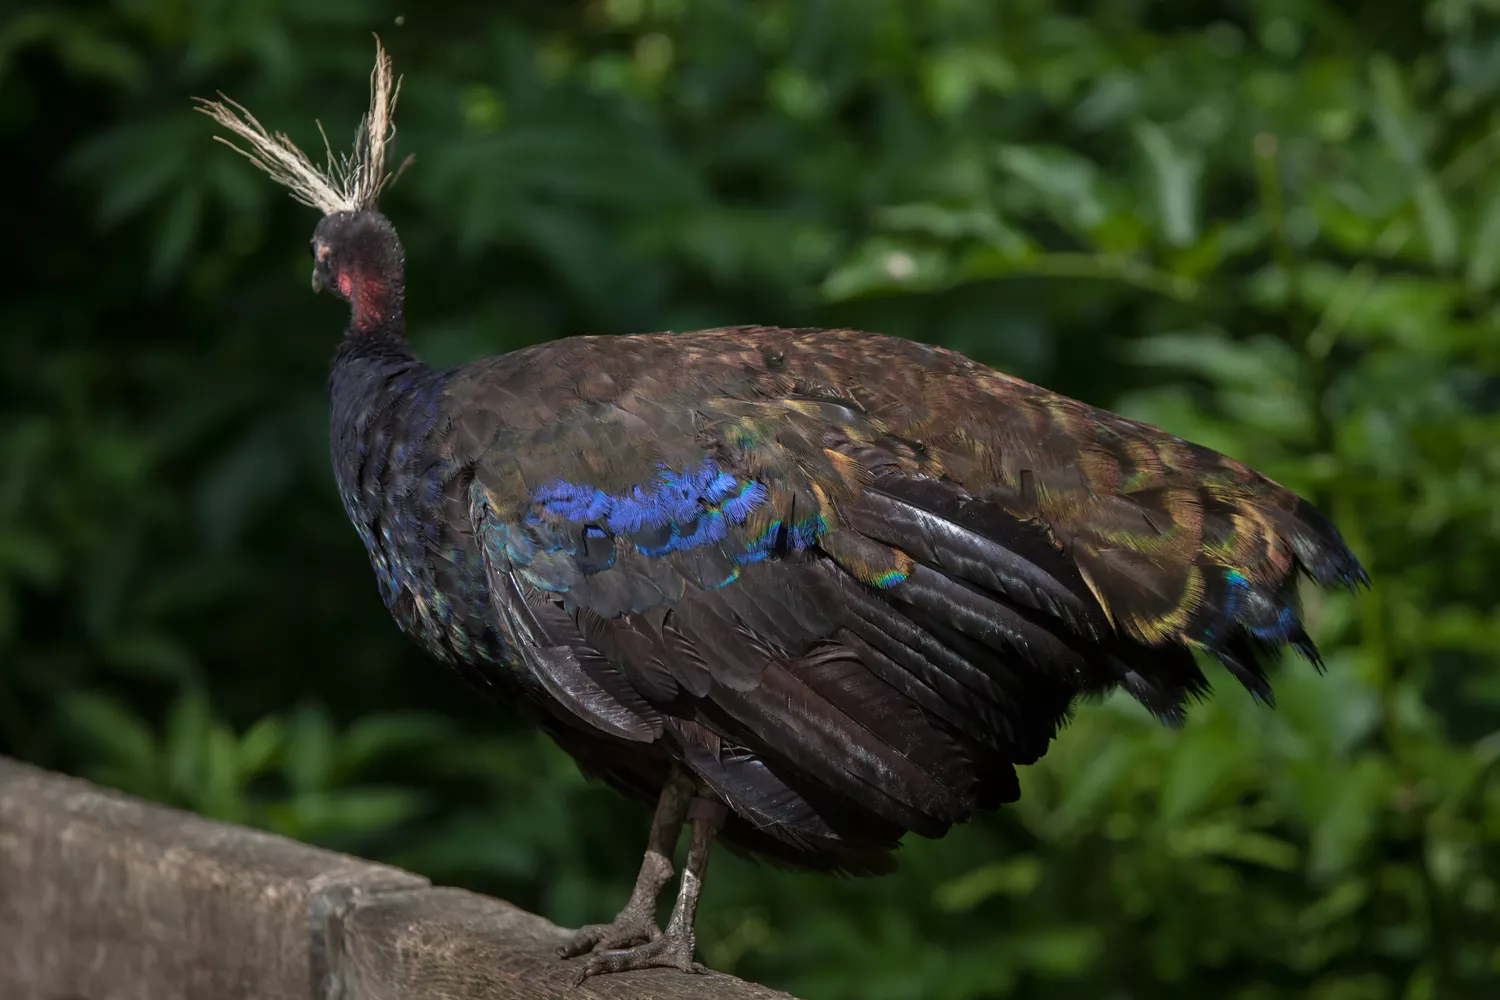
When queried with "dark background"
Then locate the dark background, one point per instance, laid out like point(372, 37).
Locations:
point(1273, 227)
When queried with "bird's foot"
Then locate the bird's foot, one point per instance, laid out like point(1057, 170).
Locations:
point(631, 927)
point(670, 950)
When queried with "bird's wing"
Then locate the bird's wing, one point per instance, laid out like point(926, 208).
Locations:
point(897, 588)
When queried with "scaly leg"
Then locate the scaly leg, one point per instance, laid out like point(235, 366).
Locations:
point(636, 922)
point(673, 948)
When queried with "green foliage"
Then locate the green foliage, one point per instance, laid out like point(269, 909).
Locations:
point(1273, 228)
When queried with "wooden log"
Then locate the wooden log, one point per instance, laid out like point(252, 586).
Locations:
point(106, 897)
point(452, 944)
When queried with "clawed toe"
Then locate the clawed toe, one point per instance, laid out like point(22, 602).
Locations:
point(608, 937)
point(664, 951)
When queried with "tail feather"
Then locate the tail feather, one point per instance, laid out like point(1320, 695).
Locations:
point(1104, 606)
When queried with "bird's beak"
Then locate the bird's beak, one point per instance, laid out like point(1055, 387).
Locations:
point(316, 283)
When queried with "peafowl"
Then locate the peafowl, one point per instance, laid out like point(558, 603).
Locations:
point(806, 590)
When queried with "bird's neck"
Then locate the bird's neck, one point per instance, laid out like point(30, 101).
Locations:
point(375, 302)
point(375, 342)
point(372, 366)
point(376, 335)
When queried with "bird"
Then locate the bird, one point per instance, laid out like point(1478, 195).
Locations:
point(808, 591)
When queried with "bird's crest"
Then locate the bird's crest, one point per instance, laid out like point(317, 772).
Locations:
point(350, 182)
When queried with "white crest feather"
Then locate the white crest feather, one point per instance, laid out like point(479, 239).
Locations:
point(351, 182)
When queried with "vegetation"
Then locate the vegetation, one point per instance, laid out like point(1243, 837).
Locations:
point(1272, 227)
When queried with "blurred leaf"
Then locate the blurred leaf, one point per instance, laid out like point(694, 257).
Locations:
point(1017, 877)
point(374, 736)
point(1066, 184)
point(30, 557)
point(885, 265)
point(219, 795)
point(185, 743)
point(954, 77)
point(1090, 785)
point(1349, 817)
point(1397, 123)
point(1438, 224)
point(1484, 256)
point(1177, 173)
point(1227, 841)
point(178, 234)
point(1196, 777)
point(1209, 353)
point(309, 750)
point(124, 739)
point(320, 815)
point(259, 746)
point(1060, 951)
point(947, 223)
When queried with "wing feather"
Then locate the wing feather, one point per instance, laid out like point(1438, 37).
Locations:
point(852, 582)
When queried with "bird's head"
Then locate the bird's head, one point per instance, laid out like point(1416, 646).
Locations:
point(358, 257)
point(356, 253)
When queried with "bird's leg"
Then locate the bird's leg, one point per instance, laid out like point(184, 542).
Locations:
point(636, 921)
point(673, 948)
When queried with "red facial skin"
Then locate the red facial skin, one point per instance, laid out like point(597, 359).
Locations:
point(369, 297)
